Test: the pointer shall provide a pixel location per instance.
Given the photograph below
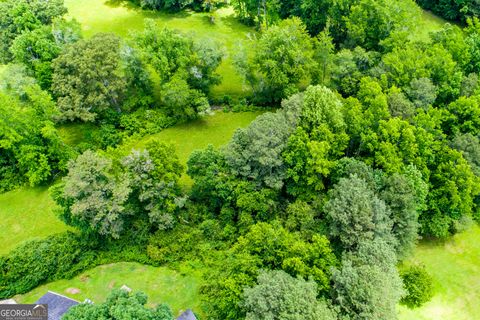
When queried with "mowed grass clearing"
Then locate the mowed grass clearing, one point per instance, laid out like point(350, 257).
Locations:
point(120, 17)
point(216, 130)
point(162, 285)
point(25, 214)
point(455, 267)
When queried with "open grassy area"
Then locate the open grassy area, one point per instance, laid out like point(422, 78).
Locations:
point(25, 214)
point(427, 24)
point(162, 285)
point(216, 130)
point(455, 267)
point(121, 17)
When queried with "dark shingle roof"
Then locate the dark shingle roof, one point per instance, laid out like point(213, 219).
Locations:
point(57, 304)
point(187, 315)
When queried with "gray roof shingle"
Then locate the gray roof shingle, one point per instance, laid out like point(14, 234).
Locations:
point(187, 315)
point(58, 305)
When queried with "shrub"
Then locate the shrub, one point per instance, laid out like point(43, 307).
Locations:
point(418, 285)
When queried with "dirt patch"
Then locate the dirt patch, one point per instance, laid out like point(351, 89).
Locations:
point(84, 277)
point(73, 290)
point(111, 284)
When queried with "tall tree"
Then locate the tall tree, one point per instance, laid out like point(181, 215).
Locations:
point(87, 80)
point(278, 296)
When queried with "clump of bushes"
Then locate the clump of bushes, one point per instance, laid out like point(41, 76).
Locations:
point(418, 286)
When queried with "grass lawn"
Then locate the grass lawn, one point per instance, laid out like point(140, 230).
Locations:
point(428, 23)
point(162, 285)
point(216, 130)
point(121, 17)
point(25, 214)
point(455, 267)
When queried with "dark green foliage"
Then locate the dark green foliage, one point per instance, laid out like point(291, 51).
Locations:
point(454, 10)
point(255, 153)
point(95, 64)
point(469, 145)
point(356, 214)
point(120, 304)
point(37, 261)
point(418, 286)
point(368, 286)
point(280, 296)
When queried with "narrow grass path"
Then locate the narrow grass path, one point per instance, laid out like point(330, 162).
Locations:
point(162, 285)
point(455, 267)
point(121, 17)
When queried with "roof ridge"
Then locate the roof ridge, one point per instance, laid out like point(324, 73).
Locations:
point(61, 295)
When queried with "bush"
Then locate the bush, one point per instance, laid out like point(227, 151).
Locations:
point(63, 256)
point(418, 285)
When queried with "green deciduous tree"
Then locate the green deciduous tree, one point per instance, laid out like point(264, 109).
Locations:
point(280, 61)
point(356, 214)
point(37, 48)
point(278, 296)
point(255, 153)
point(21, 16)
point(418, 286)
point(87, 80)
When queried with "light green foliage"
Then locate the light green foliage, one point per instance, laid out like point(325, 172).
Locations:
point(87, 80)
point(37, 48)
point(120, 304)
point(418, 286)
point(273, 247)
point(464, 116)
point(183, 103)
point(279, 296)
point(453, 187)
point(281, 60)
point(187, 69)
point(21, 16)
point(356, 214)
point(31, 149)
point(316, 144)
